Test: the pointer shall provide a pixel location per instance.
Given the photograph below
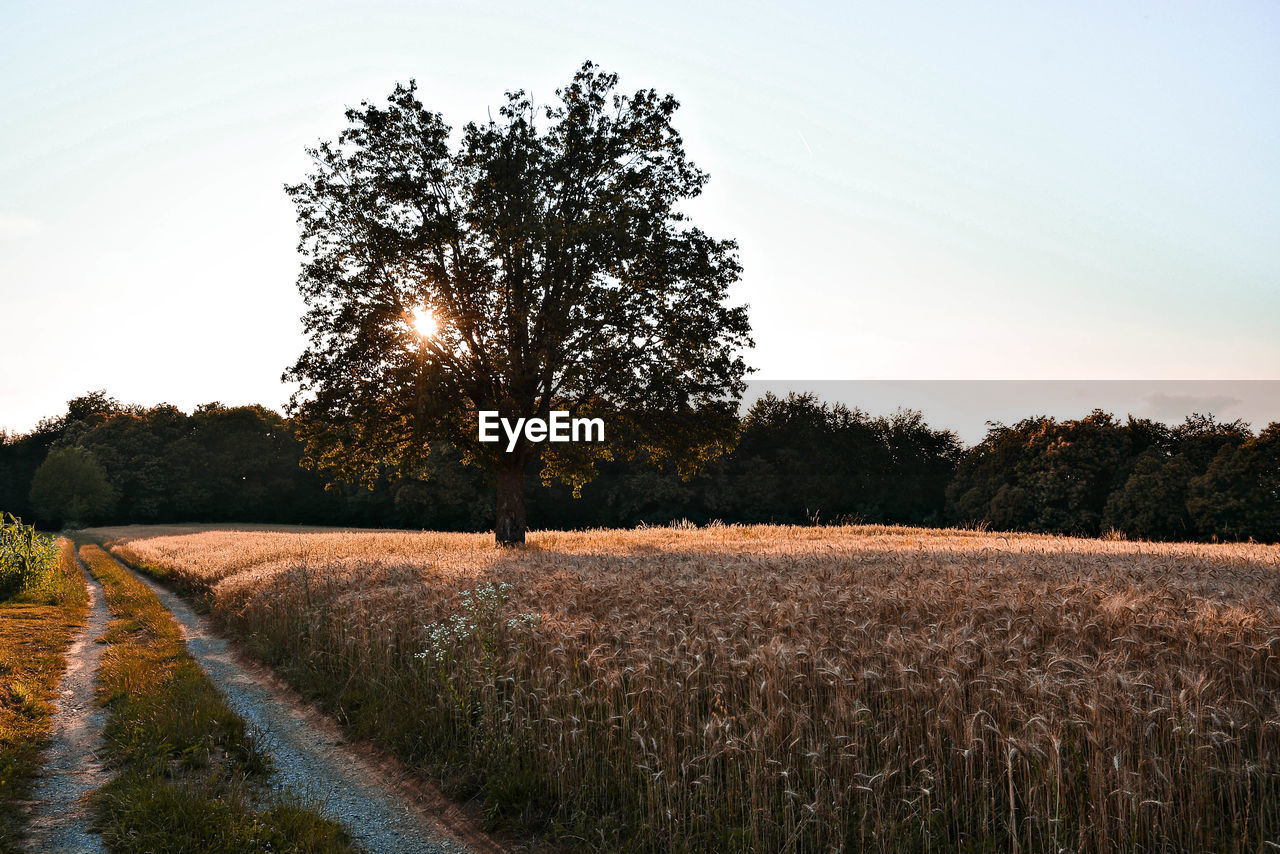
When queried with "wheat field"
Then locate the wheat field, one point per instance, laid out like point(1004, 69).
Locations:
point(764, 688)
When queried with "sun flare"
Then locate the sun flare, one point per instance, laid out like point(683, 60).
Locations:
point(424, 322)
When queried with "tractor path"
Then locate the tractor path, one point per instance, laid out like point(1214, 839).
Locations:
point(379, 804)
point(72, 769)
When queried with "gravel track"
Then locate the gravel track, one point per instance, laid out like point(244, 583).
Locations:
point(72, 768)
point(381, 810)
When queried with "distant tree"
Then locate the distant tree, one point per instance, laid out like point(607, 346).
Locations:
point(922, 462)
point(1145, 434)
point(630, 492)
point(247, 462)
point(92, 407)
point(238, 464)
point(71, 488)
point(550, 249)
point(19, 459)
point(1200, 437)
point(448, 495)
point(1044, 475)
point(12, 482)
point(1239, 495)
point(800, 459)
point(985, 487)
point(21, 455)
point(132, 455)
point(1153, 501)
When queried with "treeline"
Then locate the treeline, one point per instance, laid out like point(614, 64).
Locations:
point(797, 460)
point(1198, 480)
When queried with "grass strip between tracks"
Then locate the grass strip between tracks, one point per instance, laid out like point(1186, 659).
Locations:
point(35, 629)
point(188, 775)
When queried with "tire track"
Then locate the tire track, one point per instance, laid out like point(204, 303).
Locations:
point(314, 759)
point(72, 768)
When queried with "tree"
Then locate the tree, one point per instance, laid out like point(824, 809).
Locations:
point(131, 454)
point(71, 487)
point(1153, 501)
point(20, 456)
point(1200, 437)
point(1239, 495)
point(1044, 475)
point(923, 461)
point(556, 269)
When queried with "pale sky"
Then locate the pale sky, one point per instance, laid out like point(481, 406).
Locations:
point(1010, 190)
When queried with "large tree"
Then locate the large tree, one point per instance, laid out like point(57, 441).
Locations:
point(547, 261)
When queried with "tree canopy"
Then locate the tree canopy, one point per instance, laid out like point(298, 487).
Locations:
point(71, 487)
point(550, 251)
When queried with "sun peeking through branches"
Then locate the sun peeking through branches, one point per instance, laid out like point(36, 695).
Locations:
point(543, 260)
point(424, 322)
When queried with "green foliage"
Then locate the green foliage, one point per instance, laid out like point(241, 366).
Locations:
point(20, 456)
point(1140, 478)
point(1153, 501)
point(1201, 437)
point(1043, 475)
point(802, 460)
point(71, 486)
point(444, 491)
point(162, 465)
point(550, 247)
point(28, 559)
point(1238, 496)
point(138, 812)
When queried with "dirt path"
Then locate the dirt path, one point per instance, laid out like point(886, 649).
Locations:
point(382, 810)
point(72, 769)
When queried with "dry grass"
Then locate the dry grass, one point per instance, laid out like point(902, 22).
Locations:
point(778, 688)
point(35, 630)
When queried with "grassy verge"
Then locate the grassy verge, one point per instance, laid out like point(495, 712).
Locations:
point(189, 775)
point(35, 628)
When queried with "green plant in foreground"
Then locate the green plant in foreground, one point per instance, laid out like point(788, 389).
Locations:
point(472, 640)
point(27, 558)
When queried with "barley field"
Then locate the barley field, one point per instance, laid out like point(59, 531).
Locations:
point(763, 688)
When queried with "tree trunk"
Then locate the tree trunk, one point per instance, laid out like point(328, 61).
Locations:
point(510, 526)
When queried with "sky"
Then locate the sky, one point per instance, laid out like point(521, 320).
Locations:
point(921, 191)
point(970, 407)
